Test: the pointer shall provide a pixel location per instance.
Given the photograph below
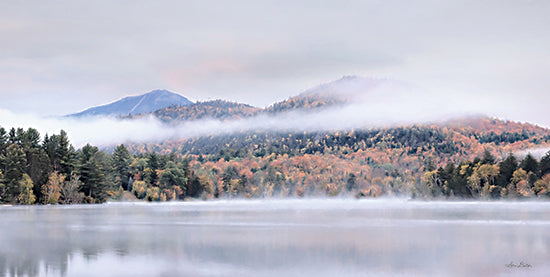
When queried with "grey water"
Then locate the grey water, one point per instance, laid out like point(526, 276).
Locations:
point(322, 237)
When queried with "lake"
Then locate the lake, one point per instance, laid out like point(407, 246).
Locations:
point(316, 237)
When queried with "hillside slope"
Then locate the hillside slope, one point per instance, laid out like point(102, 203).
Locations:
point(385, 161)
point(214, 109)
point(347, 90)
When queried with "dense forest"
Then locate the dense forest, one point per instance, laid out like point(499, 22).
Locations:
point(51, 171)
point(486, 178)
point(460, 159)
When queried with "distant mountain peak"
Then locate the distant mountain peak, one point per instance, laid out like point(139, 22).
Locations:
point(345, 90)
point(145, 103)
point(159, 92)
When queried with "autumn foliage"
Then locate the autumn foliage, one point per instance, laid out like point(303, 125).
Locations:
point(473, 158)
point(375, 162)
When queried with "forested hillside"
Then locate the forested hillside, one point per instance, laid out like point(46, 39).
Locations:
point(471, 158)
point(335, 93)
point(373, 162)
point(305, 101)
point(215, 109)
point(227, 110)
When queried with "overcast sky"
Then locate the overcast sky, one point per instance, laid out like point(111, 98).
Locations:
point(59, 57)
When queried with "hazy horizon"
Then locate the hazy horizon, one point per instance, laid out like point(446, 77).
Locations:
point(372, 104)
point(65, 56)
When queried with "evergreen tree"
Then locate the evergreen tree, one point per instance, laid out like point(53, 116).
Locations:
point(530, 164)
point(13, 138)
point(460, 180)
point(2, 188)
point(507, 169)
point(14, 167)
point(37, 165)
point(91, 168)
point(3, 141)
point(194, 187)
point(487, 158)
point(60, 152)
point(153, 165)
point(228, 175)
point(173, 177)
point(153, 161)
point(453, 184)
point(121, 160)
point(545, 164)
point(66, 153)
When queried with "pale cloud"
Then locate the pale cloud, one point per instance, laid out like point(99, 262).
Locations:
point(373, 107)
point(60, 56)
point(538, 153)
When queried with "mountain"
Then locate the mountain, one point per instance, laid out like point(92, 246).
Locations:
point(343, 91)
point(347, 88)
point(145, 103)
point(213, 109)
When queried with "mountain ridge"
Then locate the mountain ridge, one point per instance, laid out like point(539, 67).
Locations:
point(324, 95)
point(335, 93)
point(144, 103)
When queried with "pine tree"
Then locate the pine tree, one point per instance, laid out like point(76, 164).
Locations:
point(37, 165)
point(60, 152)
point(92, 169)
point(507, 168)
point(121, 160)
point(3, 141)
point(14, 167)
point(487, 158)
point(530, 164)
point(545, 164)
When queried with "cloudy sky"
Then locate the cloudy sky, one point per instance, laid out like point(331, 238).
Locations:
point(60, 57)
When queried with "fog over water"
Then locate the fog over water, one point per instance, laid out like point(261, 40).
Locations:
point(318, 237)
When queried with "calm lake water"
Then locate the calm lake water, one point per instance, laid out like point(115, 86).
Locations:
point(278, 238)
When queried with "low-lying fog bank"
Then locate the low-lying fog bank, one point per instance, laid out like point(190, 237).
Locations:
point(291, 237)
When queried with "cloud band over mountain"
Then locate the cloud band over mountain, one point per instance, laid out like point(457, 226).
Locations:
point(363, 103)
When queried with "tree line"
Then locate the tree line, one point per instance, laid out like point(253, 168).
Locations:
point(422, 161)
point(415, 139)
point(485, 178)
point(50, 171)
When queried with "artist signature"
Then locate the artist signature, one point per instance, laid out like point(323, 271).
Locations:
point(520, 265)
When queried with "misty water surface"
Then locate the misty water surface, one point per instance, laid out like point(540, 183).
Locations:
point(277, 238)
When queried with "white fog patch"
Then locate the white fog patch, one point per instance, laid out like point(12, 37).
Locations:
point(383, 106)
point(97, 131)
point(535, 152)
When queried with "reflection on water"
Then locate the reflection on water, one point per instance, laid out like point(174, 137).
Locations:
point(277, 238)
